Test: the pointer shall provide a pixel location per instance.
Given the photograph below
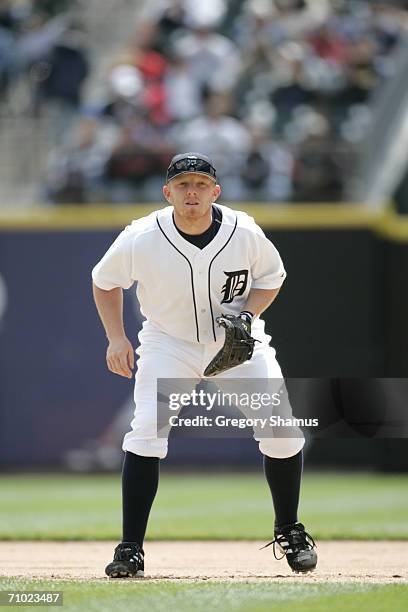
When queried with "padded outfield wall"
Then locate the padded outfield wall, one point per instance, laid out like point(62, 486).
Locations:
point(342, 312)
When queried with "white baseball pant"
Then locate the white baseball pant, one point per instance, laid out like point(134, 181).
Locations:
point(162, 356)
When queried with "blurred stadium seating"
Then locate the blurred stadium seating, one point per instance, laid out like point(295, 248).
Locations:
point(96, 97)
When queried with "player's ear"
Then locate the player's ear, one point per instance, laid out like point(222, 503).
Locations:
point(217, 191)
point(167, 193)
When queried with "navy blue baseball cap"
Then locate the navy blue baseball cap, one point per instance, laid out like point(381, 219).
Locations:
point(190, 162)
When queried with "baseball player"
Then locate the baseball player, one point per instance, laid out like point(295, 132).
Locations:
point(204, 274)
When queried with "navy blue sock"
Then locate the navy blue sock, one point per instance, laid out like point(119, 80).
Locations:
point(140, 479)
point(284, 477)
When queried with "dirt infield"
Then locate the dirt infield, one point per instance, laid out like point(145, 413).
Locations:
point(195, 561)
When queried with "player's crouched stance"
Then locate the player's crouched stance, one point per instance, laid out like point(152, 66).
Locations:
point(205, 273)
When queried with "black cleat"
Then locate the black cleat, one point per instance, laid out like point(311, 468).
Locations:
point(297, 546)
point(128, 561)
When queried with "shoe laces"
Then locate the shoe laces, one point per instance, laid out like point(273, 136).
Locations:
point(291, 539)
point(129, 552)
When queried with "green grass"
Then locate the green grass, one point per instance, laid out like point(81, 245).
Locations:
point(223, 506)
point(156, 596)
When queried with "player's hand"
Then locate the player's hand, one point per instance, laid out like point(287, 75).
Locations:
point(120, 357)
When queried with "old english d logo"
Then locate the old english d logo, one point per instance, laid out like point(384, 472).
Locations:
point(234, 285)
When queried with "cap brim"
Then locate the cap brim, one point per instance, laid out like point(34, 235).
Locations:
point(193, 172)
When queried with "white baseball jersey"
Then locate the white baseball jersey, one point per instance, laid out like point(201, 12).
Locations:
point(182, 289)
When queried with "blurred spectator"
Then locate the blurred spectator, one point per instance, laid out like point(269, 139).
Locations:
point(292, 88)
point(76, 170)
point(317, 175)
point(140, 153)
point(329, 44)
point(38, 36)
point(213, 60)
point(159, 20)
point(64, 70)
point(152, 66)
point(219, 135)
point(267, 169)
point(124, 91)
point(183, 94)
point(9, 64)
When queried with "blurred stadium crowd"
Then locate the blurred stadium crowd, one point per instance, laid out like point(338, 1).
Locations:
point(277, 92)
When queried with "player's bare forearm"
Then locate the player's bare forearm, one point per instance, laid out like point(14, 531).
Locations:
point(110, 309)
point(260, 299)
point(120, 353)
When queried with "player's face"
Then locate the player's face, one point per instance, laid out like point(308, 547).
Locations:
point(191, 194)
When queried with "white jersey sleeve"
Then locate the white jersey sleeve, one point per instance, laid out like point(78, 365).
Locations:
point(117, 266)
point(267, 269)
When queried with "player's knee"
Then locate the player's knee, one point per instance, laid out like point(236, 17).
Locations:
point(281, 448)
point(146, 448)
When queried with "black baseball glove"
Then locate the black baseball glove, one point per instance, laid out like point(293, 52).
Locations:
point(238, 345)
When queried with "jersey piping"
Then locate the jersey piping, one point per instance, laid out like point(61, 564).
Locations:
point(209, 277)
point(191, 275)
